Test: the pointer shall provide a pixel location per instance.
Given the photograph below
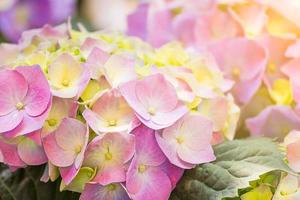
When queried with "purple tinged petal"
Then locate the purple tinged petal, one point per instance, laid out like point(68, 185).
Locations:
point(175, 173)
point(153, 183)
point(13, 89)
point(114, 191)
point(147, 149)
point(274, 121)
point(29, 124)
point(68, 173)
point(38, 96)
point(137, 21)
point(10, 121)
point(154, 101)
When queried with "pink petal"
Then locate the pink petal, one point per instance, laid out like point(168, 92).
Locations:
point(149, 185)
point(293, 155)
point(184, 27)
point(68, 173)
point(293, 51)
point(10, 121)
point(10, 154)
point(196, 157)
point(147, 149)
point(174, 173)
point(109, 106)
point(71, 128)
point(92, 43)
point(153, 92)
point(163, 120)
point(196, 134)
point(38, 95)
point(156, 92)
point(110, 174)
point(216, 26)
point(170, 150)
point(128, 92)
point(57, 155)
point(95, 62)
point(251, 63)
point(160, 27)
point(31, 153)
point(197, 131)
point(97, 192)
point(251, 60)
point(29, 124)
point(92, 119)
point(121, 148)
point(13, 89)
point(137, 21)
point(274, 121)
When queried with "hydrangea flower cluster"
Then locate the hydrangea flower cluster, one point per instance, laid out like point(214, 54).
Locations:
point(17, 16)
point(255, 43)
point(113, 116)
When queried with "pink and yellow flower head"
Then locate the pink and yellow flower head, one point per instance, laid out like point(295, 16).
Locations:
point(109, 154)
point(25, 100)
point(71, 153)
point(110, 114)
point(154, 101)
point(187, 142)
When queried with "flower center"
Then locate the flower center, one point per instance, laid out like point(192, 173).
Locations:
point(78, 149)
point(142, 168)
point(151, 111)
point(112, 122)
point(108, 156)
point(111, 187)
point(51, 122)
point(65, 82)
point(20, 106)
point(271, 68)
point(180, 139)
point(236, 72)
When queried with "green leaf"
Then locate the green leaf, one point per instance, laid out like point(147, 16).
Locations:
point(84, 175)
point(262, 192)
point(237, 163)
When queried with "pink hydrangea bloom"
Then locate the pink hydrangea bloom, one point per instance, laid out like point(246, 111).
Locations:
point(23, 150)
point(274, 121)
point(60, 109)
point(119, 69)
point(148, 177)
point(96, 61)
point(187, 142)
point(154, 101)
point(109, 154)
point(247, 71)
point(68, 78)
point(110, 113)
point(64, 153)
point(25, 100)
